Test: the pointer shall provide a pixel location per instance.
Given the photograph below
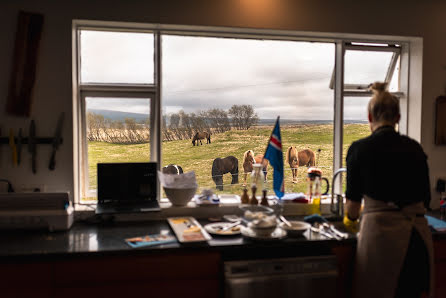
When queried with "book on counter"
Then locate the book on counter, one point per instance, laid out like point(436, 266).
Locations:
point(150, 240)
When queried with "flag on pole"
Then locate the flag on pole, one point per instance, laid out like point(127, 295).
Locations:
point(275, 156)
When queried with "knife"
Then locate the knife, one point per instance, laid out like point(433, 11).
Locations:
point(32, 145)
point(19, 146)
point(13, 147)
point(57, 140)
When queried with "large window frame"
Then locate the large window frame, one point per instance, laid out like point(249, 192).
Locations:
point(153, 91)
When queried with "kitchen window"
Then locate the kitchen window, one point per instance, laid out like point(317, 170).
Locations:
point(143, 91)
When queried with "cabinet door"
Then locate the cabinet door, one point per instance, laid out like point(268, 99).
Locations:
point(158, 275)
point(440, 268)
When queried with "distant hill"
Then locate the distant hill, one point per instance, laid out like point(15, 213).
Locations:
point(290, 121)
point(120, 116)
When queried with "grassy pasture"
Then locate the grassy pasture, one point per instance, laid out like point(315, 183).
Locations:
point(235, 143)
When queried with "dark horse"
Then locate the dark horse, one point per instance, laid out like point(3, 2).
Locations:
point(222, 166)
point(201, 136)
point(172, 169)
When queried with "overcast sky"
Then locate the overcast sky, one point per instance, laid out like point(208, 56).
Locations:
point(285, 78)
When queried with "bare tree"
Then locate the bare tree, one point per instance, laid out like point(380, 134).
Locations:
point(243, 116)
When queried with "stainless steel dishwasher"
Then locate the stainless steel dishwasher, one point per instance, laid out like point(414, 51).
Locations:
point(302, 277)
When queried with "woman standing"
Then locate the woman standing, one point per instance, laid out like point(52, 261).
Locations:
point(390, 173)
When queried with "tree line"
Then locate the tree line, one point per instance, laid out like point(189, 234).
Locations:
point(176, 126)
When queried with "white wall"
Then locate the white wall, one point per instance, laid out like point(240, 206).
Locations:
point(53, 92)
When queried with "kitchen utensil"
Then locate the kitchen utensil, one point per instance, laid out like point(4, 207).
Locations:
point(32, 145)
point(57, 140)
point(19, 146)
point(335, 231)
point(229, 226)
point(286, 221)
point(321, 232)
point(13, 147)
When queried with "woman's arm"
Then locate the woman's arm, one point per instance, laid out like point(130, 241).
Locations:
point(352, 209)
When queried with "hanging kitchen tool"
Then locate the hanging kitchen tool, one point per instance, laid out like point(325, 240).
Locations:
point(13, 147)
point(56, 141)
point(32, 145)
point(19, 146)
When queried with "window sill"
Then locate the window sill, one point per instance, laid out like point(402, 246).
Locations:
point(83, 212)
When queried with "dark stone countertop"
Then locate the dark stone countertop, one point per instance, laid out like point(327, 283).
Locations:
point(96, 239)
point(84, 239)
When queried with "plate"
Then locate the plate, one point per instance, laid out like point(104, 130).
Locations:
point(278, 234)
point(215, 228)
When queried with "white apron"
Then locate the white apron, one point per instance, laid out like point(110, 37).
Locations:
point(382, 246)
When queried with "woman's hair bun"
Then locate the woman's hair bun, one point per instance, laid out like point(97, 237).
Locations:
point(378, 87)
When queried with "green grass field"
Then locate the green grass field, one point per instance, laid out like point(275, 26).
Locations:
point(235, 143)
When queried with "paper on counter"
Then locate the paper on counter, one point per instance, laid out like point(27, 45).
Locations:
point(186, 180)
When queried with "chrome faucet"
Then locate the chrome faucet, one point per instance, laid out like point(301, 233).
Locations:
point(338, 208)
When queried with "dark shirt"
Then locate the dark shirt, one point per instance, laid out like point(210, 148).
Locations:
point(389, 167)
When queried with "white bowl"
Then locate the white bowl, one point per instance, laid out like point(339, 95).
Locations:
point(262, 231)
point(297, 228)
point(180, 196)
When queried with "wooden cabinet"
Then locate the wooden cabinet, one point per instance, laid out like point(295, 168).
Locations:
point(160, 275)
point(440, 268)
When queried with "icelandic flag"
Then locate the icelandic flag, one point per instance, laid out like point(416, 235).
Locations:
point(275, 156)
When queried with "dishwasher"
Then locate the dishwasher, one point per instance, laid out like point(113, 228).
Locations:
point(302, 277)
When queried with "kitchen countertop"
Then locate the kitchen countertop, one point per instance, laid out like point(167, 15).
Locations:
point(107, 238)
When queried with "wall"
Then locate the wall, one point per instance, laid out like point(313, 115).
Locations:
point(52, 93)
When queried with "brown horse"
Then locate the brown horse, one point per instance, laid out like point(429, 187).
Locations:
point(249, 159)
point(201, 136)
point(301, 158)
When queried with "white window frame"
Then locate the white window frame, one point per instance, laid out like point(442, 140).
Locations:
point(341, 41)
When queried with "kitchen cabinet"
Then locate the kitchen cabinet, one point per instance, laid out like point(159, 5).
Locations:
point(440, 268)
point(157, 275)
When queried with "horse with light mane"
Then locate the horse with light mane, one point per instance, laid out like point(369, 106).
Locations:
point(201, 136)
point(302, 158)
point(249, 159)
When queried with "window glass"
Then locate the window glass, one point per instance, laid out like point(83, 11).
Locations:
point(235, 89)
point(365, 67)
point(394, 85)
point(117, 130)
point(356, 125)
point(116, 57)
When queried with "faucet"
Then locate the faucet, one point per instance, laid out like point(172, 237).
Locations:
point(338, 208)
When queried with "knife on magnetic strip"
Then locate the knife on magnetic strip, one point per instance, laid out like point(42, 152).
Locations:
point(13, 146)
point(19, 146)
point(56, 141)
point(32, 145)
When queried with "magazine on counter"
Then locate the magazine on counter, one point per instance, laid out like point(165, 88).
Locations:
point(150, 240)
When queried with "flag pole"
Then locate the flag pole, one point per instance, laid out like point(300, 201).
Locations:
point(277, 120)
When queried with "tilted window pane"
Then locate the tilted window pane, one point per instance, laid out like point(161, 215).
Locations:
point(116, 57)
point(365, 67)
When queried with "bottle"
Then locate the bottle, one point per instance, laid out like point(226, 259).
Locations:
point(264, 201)
point(254, 200)
point(316, 195)
point(245, 198)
